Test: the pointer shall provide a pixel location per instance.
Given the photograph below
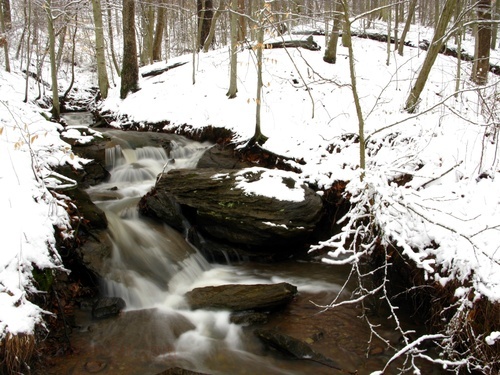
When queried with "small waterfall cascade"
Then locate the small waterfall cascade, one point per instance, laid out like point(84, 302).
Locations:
point(151, 263)
point(153, 267)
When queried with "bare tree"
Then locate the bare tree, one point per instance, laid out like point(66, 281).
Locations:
point(233, 77)
point(7, 14)
point(259, 137)
point(430, 58)
point(111, 38)
point(359, 112)
point(56, 108)
point(205, 14)
point(130, 67)
point(331, 50)
point(210, 37)
point(481, 65)
point(3, 40)
point(411, 14)
point(159, 31)
point(102, 74)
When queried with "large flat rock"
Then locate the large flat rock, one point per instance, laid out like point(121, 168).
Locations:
point(221, 205)
point(236, 297)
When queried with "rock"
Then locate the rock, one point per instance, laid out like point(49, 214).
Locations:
point(94, 367)
point(179, 371)
point(95, 252)
point(248, 318)
point(292, 347)
point(242, 297)
point(107, 307)
point(221, 157)
point(213, 203)
point(93, 216)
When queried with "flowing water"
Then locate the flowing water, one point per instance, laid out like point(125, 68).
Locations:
point(153, 266)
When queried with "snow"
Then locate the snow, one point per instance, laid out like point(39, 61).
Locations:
point(492, 338)
point(270, 183)
point(29, 147)
point(446, 219)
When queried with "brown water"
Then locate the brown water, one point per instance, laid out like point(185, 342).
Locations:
point(153, 267)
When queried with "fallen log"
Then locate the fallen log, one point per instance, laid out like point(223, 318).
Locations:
point(156, 72)
point(308, 43)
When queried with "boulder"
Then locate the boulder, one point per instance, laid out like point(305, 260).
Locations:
point(215, 202)
point(236, 297)
point(107, 307)
point(95, 253)
point(293, 347)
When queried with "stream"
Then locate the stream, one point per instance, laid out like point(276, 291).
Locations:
point(153, 266)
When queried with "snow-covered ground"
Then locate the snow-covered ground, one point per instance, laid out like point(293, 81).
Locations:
point(446, 218)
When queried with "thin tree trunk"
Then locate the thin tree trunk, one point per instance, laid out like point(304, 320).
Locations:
point(459, 59)
point(28, 50)
point(411, 13)
point(56, 109)
point(102, 73)
point(233, 76)
point(73, 47)
point(111, 39)
point(359, 112)
point(258, 137)
point(396, 25)
point(389, 24)
point(430, 58)
point(60, 48)
point(331, 51)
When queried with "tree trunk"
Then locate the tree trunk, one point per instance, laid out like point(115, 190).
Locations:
point(494, 29)
point(28, 49)
point(5, 43)
point(111, 39)
point(56, 109)
point(411, 13)
point(7, 15)
point(205, 14)
point(148, 17)
point(354, 89)
point(73, 48)
point(130, 67)
point(102, 74)
point(396, 25)
point(233, 77)
point(160, 27)
point(258, 137)
point(210, 38)
point(389, 24)
point(331, 51)
point(483, 40)
point(62, 40)
point(432, 52)
point(242, 29)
